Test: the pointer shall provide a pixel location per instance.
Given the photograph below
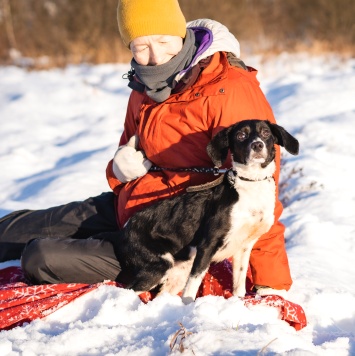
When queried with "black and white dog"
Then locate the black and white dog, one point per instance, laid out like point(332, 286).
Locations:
point(170, 245)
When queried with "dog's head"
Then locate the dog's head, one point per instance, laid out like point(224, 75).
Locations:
point(250, 142)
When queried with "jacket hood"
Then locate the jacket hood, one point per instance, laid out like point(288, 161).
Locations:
point(213, 37)
point(222, 39)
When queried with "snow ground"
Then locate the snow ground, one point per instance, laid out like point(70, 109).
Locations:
point(58, 130)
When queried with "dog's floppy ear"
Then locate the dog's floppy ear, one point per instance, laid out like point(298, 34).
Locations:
point(285, 139)
point(218, 147)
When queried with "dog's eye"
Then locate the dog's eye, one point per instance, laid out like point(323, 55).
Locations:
point(265, 133)
point(241, 136)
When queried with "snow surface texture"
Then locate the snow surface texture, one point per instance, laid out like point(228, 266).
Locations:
point(59, 129)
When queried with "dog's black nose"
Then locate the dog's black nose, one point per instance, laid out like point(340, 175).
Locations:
point(257, 146)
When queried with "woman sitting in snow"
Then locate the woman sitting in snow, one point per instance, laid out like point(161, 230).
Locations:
point(187, 84)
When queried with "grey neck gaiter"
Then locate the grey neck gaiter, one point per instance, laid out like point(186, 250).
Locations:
point(158, 80)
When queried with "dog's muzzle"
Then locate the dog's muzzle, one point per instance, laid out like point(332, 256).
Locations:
point(258, 152)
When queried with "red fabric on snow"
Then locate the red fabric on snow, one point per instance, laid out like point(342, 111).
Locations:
point(21, 302)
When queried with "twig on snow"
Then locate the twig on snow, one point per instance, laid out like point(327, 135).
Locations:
point(261, 352)
point(178, 339)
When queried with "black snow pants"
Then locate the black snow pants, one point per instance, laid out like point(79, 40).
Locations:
point(63, 244)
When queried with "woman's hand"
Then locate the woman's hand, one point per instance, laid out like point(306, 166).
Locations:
point(128, 163)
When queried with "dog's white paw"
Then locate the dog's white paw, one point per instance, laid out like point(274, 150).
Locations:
point(239, 292)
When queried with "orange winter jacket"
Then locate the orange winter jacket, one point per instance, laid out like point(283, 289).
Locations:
point(175, 134)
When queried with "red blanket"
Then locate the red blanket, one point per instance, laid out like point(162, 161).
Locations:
point(21, 302)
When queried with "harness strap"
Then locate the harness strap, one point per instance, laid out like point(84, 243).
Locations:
point(209, 185)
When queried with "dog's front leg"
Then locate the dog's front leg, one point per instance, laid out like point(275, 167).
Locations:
point(192, 286)
point(199, 268)
point(240, 269)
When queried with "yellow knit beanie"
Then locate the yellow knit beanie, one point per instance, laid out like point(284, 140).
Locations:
point(149, 17)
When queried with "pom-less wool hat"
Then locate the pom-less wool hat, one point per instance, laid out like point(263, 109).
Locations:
point(149, 17)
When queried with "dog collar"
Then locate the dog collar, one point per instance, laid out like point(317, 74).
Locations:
point(235, 175)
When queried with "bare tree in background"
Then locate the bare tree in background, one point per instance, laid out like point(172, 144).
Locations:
point(7, 16)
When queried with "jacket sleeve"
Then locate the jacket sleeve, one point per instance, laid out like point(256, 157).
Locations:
point(130, 128)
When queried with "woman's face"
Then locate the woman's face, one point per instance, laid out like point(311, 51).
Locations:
point(154, 50)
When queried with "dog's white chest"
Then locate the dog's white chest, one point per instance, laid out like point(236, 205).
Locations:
point(251, 216)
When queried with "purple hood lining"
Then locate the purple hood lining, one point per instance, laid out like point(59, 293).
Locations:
point(204, 38)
